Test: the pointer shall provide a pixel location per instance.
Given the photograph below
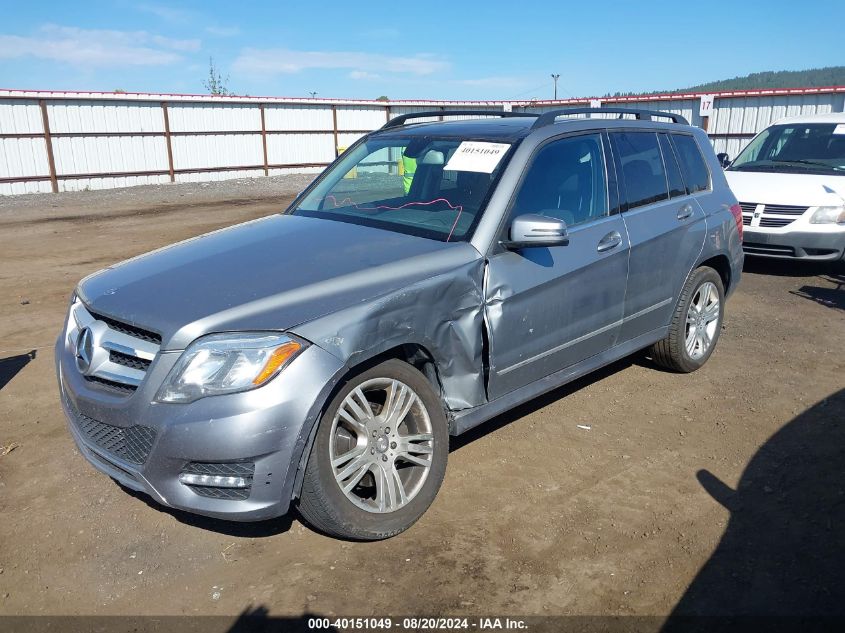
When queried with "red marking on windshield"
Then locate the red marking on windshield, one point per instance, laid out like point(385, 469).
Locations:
point(452, 207)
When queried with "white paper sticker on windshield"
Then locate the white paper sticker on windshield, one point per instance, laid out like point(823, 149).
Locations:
point(477, 156)
point(839, 129)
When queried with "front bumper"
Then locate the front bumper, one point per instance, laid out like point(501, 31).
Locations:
point(268, 426)
point(827, 246)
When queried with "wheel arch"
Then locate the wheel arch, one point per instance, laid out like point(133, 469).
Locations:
point(415, 354)
point(722, 265)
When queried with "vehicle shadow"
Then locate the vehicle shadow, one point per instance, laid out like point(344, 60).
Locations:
point(252, 529)
point(258, 620)
point(829, 297)
point(639, 358)
point(782, 552)
point(12, 365)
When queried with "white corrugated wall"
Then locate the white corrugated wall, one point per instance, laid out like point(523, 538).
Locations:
point(110, 140)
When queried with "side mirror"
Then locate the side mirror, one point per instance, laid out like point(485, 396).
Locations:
point(533, 229)
point(724, 160)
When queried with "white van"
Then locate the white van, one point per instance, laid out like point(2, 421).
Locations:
point(790, 181)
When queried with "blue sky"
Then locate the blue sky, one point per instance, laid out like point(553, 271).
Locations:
point(406, 50)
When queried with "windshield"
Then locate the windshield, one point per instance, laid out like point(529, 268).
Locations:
point(796, 148)
point(430, 187)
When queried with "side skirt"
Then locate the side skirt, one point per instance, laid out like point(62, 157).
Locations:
point(467, 419)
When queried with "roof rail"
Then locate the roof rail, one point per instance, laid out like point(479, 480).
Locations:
point(400, 120)
point(548, 118)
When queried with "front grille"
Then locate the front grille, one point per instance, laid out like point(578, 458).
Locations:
point(118, 355)
point(775, 222)
point(131, 330)
point(119, 358)
point(771, 216)
point(132, 444)
point(785, 209)
point(119, 387)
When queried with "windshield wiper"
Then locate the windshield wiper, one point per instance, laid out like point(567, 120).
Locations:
point(804, 161)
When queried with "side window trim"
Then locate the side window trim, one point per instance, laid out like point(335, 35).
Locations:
point(620, 180)
point(667, 144)
point(615, 197)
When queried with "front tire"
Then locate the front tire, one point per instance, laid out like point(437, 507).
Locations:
point(379, 455)
point(696, 323)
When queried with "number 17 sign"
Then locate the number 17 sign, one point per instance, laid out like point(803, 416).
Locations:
point(705, 107)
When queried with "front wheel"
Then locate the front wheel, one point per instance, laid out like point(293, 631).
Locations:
point(379, 455)
point(696, 323)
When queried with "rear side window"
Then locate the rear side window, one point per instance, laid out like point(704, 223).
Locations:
point(642, 167)
point(673, 172)
point(695, 171)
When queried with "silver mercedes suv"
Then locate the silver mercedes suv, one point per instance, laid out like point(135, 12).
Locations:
point(437, 274)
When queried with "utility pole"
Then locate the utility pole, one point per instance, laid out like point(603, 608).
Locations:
point(555, 78)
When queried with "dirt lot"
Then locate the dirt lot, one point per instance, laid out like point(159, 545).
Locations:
point(635, 514)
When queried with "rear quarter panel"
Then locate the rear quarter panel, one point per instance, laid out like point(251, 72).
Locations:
point(722, 236)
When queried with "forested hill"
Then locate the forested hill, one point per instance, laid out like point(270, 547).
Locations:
point(812, 78)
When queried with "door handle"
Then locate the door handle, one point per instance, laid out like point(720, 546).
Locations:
point(609, 241)
point(685, 211)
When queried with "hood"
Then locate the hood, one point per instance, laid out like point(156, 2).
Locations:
point(803, 190)
point(271, 274)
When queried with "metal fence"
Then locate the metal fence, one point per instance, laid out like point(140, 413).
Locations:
point(66, 141)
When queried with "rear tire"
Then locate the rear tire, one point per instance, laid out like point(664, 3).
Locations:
point(696, 323)
point(379, 455)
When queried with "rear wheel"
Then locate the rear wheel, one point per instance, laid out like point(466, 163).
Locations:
point(696, 323)
point(379, 455)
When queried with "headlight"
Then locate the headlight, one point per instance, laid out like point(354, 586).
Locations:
point(228, 363)
point(828, 215)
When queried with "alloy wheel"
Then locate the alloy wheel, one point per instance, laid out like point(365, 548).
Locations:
point(702, 320)
point(381, 445)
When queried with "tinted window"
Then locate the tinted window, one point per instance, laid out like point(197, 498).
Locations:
point(566, 180)
point(673, 172)
point(692, 162)
point(642, 167)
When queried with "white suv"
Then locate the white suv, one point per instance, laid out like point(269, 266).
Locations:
point(790, 181)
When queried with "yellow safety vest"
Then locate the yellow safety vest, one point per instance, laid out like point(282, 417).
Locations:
point(409, 168)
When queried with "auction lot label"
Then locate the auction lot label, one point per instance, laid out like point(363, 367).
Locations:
point(477, 156)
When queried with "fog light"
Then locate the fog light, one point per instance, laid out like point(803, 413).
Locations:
point(216, 481)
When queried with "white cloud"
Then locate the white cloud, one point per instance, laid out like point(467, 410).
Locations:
point(96, 48)
point(223, 31)
point(362, 74)
point(168, 14)
point(284, 61)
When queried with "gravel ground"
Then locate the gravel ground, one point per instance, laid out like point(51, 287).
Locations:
point(633, 491)
point(239, 191)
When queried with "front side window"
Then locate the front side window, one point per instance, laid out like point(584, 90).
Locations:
point(796, 148)
point(415, 184)
point(642, 167)
point(695, 171)
point(566, 180)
